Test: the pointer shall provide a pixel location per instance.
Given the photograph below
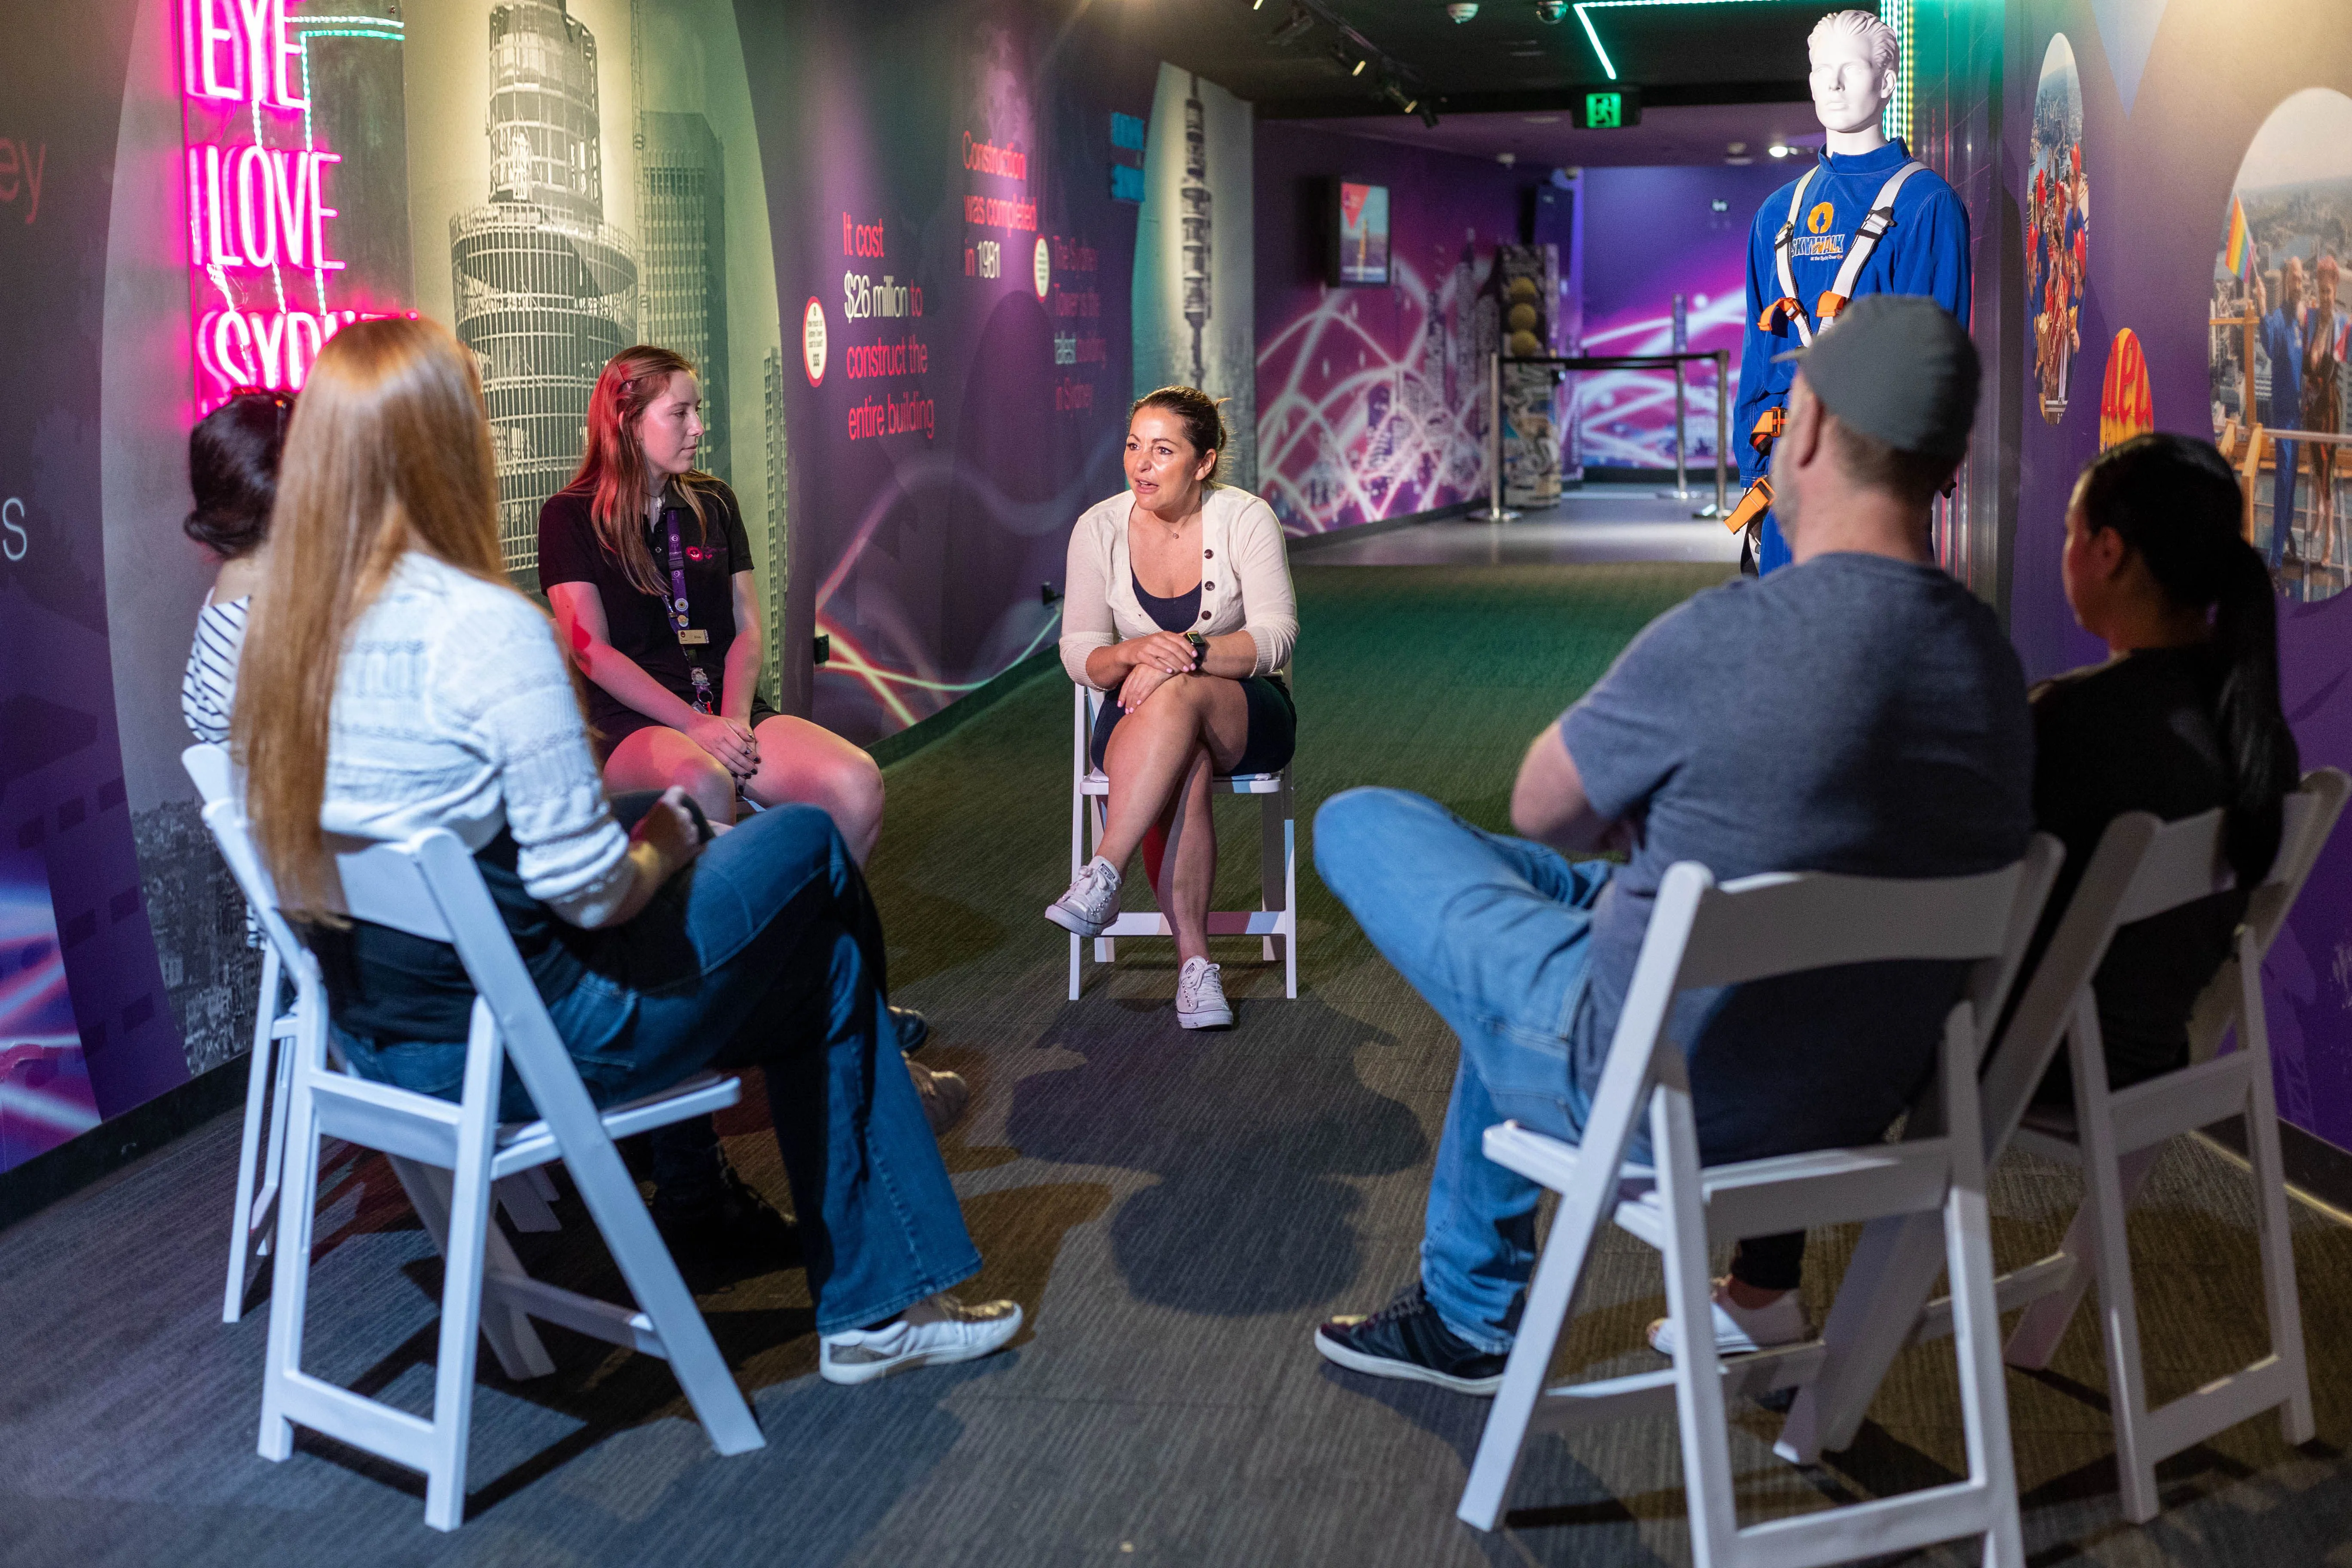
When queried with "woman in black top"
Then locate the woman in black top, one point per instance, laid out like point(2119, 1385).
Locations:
point(674, 689)
point(2184, 717)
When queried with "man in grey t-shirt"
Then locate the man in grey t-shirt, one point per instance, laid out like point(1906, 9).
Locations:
point(1858, 714)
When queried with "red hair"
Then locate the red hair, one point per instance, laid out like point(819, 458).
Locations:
point(613, 469)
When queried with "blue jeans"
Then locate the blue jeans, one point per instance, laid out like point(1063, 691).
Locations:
point(765, 953)
point(1496, 935)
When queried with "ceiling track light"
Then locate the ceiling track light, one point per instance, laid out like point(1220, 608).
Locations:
point(1297, 22)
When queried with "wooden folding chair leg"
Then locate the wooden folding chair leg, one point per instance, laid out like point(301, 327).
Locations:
point(290, 1278)
point(1551, 1297)
point(260, 1126)
point(2269, 1171)
point(1867, 1328)
point(521, 1354)
point(610, 1193)
point(1690, 1299)
point(2043, 1323)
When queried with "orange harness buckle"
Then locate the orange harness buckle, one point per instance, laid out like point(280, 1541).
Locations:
point(1785, 306)
point(1769, 424)
point(1753, 505)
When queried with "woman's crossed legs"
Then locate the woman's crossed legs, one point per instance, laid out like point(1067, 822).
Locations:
point(800, 763)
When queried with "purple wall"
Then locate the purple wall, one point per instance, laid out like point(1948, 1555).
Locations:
point(1370, 401)
point(1649, 235)
point(2169, 108)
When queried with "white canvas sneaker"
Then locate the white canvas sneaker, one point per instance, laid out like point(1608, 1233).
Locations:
point(1741, 1330)
point(932, 1332)
point(1092, 901)
point(1201, 997)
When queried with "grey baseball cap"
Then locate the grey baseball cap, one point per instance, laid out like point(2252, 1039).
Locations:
point(1896, 366)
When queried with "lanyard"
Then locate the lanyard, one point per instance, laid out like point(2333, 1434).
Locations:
point(688, 637)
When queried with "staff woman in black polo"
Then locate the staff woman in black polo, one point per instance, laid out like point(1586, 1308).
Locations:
point(674, 688)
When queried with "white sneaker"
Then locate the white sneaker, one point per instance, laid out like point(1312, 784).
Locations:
point(1092, 901)
point(945, 1096)
point(932, 1332)
point(1741, 1330)
point(1201, 997)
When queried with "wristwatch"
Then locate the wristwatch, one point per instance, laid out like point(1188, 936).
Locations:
point(1199, 648)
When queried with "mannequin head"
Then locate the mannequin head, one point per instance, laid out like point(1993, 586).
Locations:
point(1854, 56)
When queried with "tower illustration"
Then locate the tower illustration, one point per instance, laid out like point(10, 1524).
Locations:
point(546, 290)
point(1192, 205)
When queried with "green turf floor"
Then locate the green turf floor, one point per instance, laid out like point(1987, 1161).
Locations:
point(1430, 679)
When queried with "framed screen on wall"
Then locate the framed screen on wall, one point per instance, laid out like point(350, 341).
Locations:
point(1361, 220)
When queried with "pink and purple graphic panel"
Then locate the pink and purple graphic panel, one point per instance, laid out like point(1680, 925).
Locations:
point(44, 1093)
point(1371, 401)
point(1650, 235)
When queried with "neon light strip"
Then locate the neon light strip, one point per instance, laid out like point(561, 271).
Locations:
point(1597, 49)
point(1584, 7)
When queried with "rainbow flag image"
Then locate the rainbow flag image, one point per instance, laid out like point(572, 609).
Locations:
point(2238, 251)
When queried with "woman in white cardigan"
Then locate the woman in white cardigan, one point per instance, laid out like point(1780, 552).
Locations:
point(1179, 609)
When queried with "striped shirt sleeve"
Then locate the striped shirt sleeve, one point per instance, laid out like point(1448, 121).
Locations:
point(208, 686)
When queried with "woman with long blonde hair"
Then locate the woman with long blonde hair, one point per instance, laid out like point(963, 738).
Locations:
point(391, 682)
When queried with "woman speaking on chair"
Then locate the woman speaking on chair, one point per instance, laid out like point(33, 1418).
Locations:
point(644, 561)
point(1179, 611)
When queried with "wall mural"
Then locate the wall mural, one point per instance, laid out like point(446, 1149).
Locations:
point(2219, 164)
point(199, 193)
point(1371, 401)
point(1354, 425)
point(2279, 304)
point(1193, 300)
point(2057, 226)
point(1652, 234)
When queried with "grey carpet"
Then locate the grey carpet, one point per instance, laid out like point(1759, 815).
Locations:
point(1176, 1211)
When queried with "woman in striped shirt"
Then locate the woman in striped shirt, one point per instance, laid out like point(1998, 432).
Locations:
point(233, 456)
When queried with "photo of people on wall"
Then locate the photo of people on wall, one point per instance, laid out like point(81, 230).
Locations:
point(2057, 225)
point(2278, 334)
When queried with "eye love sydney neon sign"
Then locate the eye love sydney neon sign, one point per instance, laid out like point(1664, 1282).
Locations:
point(259, 225)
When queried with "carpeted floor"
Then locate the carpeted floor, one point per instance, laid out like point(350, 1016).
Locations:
point(1176, 1211)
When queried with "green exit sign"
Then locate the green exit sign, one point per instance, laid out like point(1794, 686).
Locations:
point(1609, 110)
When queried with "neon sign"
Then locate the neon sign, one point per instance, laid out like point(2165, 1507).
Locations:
point(262, 248)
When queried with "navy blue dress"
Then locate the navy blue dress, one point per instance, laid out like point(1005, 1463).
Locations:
point(1273, 719)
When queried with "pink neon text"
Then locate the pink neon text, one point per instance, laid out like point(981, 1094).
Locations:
point(258, 207)
point(237, 50)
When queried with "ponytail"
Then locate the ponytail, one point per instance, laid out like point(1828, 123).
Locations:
point(2175, 500)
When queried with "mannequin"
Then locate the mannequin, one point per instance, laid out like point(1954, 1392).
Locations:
point(1802, 265)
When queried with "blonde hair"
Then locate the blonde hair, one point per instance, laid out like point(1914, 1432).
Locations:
point(389, 451)
point(1885, 50)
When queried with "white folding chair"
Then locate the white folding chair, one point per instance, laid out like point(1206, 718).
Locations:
point(447, 1156)
point(1701, 935)
point(1274, 921)
point(2141, 868)
point(261, 1148)
point(2115, 1136)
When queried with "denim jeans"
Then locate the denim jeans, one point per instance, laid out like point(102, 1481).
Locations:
point(1496, 935)
point(765, 953)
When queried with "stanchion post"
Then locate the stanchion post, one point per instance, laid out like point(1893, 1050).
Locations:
point(1722, 436)
point(1494, 512)
point(1682, 490)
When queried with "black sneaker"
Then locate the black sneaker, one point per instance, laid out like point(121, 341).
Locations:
point(735, 1234)
point(1407, 1339)
point(914, 1029)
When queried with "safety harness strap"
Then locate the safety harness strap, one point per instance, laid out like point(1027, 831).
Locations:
point(1783, 248)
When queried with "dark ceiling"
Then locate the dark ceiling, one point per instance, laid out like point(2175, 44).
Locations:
point(1503, 60)
point(1705, 134)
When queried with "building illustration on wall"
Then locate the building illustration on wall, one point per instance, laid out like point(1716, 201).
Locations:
point(1193, 215)
point(682, 234)
point(546, 290)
